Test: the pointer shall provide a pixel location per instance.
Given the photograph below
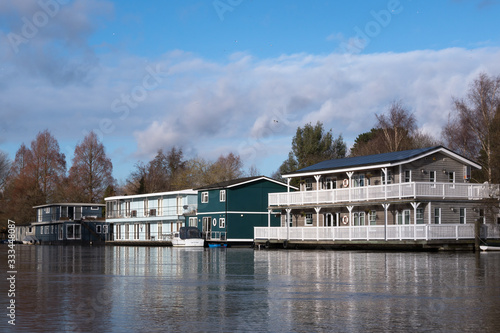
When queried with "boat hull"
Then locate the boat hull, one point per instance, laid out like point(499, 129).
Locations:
point(489, 248)
point(190, 242)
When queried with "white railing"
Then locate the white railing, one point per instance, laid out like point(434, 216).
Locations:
point(371, 232)
point(384, 192)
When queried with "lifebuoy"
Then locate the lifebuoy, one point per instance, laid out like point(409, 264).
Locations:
point(345, 183)
point(345, 219)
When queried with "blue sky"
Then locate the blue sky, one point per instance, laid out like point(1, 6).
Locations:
point(238, 76)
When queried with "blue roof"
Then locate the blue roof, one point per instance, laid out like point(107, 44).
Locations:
point(393, 157)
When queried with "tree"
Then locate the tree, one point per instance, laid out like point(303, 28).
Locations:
point(46, 165)
point(311, 145)
point(470, 129)
point(225, 168)
point(4, 170)
point(397, 128)
point(91, 172)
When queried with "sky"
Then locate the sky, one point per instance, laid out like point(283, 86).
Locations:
point(220, 76)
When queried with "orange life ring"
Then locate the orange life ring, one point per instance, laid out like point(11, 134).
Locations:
point(345, 183)
point(345, 219)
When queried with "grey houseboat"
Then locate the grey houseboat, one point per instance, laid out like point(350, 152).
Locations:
point(66, 223)
point(415, 196)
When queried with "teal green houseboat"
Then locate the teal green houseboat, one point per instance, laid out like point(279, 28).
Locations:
point(229, 211)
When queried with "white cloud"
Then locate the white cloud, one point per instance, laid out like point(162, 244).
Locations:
point(247, 106)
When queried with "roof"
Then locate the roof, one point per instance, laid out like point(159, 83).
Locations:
point(238, 182)
point(379, 160)
point(71, 204)
point(146, 195)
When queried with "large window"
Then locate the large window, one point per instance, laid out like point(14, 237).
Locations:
point(193, 221)
point(309, 185)
point(73, 231)
point(136, 231)
point(406, 214)
point(204, 197)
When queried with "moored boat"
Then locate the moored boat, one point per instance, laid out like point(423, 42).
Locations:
point(188, 236)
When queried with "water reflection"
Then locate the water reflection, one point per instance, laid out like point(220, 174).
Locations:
point(116, 289)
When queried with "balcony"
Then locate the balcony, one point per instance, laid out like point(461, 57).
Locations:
point(367, 233)
point(412, 190)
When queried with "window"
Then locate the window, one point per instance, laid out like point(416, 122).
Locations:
point(136, 231)
point(222, 222)
point(207, 223)
point(406, 214)
point(145, 206)
point(407, 176)
point(309, 185)
point(61, 232)
point(47, 210)
point(451, 177)
point(94, 208)
point(40, 215)
point(356, 219)
point(127, 208)
point(127, 231)
point(373, 217)
point(193, 222)
point(73, 231)
point(362, 218)
point(309, 219)
point(105, 229)
point(462, 216)
point(328, 184)
point(437, 215)
point(222, 195)
point(204, 197)
point(467, 171)
point(432, 177)
point(98, 229)
point(399, 217)
point(180, 206)
point(420, 216)
point(160, 207)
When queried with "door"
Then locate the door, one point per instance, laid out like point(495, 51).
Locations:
point(328, 220)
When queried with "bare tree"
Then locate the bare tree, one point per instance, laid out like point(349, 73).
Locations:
point(91, 172)
point(470, 128)
point(397, 127)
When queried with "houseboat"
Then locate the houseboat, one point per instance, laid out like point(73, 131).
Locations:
point(416, 198)
point(150, 218)
point(228, 211)
point(66, 223)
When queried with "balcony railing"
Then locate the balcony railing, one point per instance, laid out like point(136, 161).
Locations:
point(383, 192)
point(372, 232)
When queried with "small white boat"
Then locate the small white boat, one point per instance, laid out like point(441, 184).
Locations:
point(188, 236)
point(489, 248)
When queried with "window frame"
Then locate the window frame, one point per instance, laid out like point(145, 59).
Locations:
point(204, 197)
point(222, 196)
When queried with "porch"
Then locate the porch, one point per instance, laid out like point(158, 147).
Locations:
point(384, 192)
point(413, 232)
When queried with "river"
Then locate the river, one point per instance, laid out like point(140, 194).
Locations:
point(165, 289)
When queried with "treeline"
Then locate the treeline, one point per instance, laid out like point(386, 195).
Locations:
point(38, 174)
point(473, 130)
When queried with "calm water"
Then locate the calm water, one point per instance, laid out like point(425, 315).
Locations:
point(140, 289)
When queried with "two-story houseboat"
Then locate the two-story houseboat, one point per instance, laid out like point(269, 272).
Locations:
point(151, 217)
point(228, 211)
point(419, 197)
point(66, 223)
